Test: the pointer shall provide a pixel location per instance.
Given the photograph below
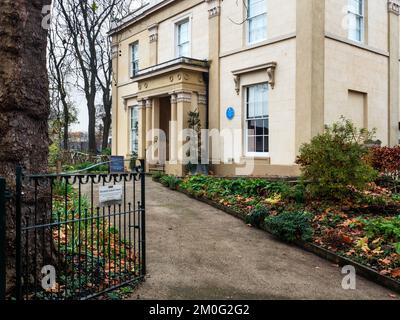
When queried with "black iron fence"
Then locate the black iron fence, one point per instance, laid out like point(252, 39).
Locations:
point(78, 236)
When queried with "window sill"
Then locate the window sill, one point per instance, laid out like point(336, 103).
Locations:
point(256, 157)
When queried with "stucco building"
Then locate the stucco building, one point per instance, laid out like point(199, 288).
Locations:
point(274, 72)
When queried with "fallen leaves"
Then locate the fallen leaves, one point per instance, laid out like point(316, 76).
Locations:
point(395, 273)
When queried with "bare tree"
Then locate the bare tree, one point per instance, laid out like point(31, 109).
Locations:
point(104, 78)
point(60, 58)
point(84, 26)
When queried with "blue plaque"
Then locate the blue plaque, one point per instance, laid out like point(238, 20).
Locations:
point(230, 113)
point(117, 164)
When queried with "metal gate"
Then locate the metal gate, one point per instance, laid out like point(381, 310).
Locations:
point(78, 236)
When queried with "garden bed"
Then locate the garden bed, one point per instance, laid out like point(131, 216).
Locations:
point(364, 233)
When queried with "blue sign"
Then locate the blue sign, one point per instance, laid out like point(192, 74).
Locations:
point(230, 113)
point(117, 164)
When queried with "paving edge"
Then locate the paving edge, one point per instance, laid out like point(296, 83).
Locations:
point(362, 270)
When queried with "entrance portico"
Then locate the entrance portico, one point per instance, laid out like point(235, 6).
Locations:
point(166, 94)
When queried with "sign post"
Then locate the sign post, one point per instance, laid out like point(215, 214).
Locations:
point(117, 164)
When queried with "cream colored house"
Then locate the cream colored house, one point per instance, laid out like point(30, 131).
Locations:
point(265, 75)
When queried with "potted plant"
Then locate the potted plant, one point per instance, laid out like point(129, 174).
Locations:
point(194, 123)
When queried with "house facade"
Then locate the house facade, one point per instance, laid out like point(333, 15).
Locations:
point(264, 75)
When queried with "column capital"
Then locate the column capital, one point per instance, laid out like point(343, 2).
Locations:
point(141, 104)
point(174, 98)
point(149, 103)
point(202, 99)
point(183, 96)
point(394, 6)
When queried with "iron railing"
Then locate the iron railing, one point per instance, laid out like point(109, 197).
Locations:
point(74, 243)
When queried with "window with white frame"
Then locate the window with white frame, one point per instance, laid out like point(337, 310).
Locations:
point(134, 58)
point(183, 38)
point(134, 130)
point(257, 120)
point(257, 20)
point(356, 20)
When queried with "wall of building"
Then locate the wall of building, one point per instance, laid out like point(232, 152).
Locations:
point(281, 98)
point(345, 71)
point(320, 74)
point(125, 88)
point(236, 54)
point(281, 21)
point(198, 16)
point(357, 71)
point(376, 31)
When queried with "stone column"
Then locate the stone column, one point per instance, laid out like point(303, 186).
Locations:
point(184, 105)
point(173, 138)
point(153, 38)
point(310, 70)
point(155, 124)
point(394, 80)
point(202, 104)
point(148, 142)
point(142, 129)
point(149, 118)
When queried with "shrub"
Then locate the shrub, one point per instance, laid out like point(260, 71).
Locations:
point(278, 187)
point(257, 216)
point(298, 193)
point(157, 176)
point(61, 189)
point(334, 160)
point(388, 228)
point(371, 200)
point(106, 152)
point(386, 160)
point(54, 153)
point(171, 182)
point(291, 226)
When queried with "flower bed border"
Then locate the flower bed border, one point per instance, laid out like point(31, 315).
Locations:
point(362, 270)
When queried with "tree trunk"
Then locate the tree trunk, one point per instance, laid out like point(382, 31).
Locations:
point(92, 129)
point(24, 105)
point(106, 121)
point(66, 124)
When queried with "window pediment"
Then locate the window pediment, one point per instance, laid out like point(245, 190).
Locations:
point(268, 67)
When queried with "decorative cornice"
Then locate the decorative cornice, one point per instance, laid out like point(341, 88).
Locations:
point(394, 6)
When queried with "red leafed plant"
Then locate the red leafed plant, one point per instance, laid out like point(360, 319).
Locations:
point(386, 160)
